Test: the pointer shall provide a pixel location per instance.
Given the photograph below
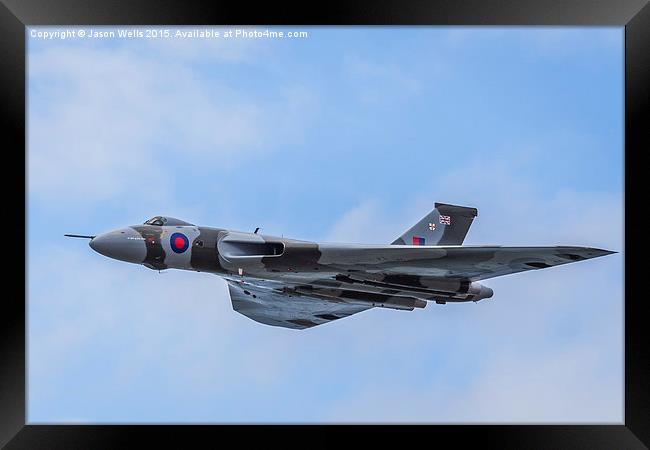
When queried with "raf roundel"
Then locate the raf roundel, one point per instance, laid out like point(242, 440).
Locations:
point(179, 242)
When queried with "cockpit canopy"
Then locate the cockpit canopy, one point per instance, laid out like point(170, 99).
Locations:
point(167, 221)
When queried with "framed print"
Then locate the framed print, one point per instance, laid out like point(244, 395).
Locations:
point(292, 217)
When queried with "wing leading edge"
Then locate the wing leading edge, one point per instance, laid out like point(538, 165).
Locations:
point(463, 262)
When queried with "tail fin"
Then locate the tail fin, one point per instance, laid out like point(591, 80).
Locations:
point(445, 225)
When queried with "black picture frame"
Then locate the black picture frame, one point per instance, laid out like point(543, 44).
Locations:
point(634, 15)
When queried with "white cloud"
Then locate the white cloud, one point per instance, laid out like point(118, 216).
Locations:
point(178, 327)
point(558, 387)
point(380, 81)
point(106, 121)
point(365, 223)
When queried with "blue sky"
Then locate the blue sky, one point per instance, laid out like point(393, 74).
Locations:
point(350, 134)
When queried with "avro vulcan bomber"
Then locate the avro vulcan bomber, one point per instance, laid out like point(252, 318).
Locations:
point(299, 284)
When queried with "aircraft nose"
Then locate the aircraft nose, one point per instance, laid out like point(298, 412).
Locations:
point(124, 244)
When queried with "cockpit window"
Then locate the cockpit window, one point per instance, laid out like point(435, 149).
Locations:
point(168, 221)
point(160, 221)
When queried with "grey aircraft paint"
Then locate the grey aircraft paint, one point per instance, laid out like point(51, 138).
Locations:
point(298, 284)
